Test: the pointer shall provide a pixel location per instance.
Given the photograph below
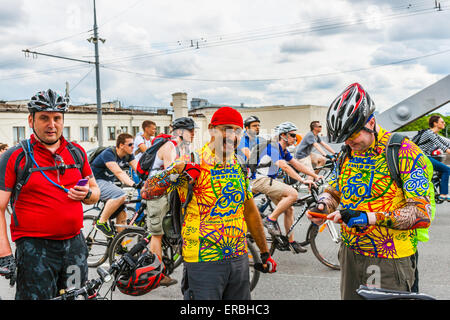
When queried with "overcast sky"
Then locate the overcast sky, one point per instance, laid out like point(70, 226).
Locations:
point(258, 52)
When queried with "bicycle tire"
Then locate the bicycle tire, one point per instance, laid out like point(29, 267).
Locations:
point(253, 257)
point(126, 239)
point(97, 243)
point(324, 248)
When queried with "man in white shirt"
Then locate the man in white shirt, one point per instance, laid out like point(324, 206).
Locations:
point(143, 140)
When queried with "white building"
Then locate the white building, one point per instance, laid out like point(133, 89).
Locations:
point(80, 123)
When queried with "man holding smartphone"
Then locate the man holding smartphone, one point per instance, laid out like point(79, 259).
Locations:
point(47, 212)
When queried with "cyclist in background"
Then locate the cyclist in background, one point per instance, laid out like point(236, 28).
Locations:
point(142, 142)
point(304, 153)
point(380, 220)
point(250, 138)
point(431, 143)
point(108, 166)
point(183, 130)
point(216, 264)
point(48, 211)
point(280, 193)
point(3, 148)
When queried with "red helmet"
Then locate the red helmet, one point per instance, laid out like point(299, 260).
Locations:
point(145, 277)
point(349, 113)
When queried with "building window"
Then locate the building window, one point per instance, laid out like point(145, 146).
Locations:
point(18, 134)
point(135, 131)
point(66, 133)
point(123, 129)
point(166, 129)
point(84, 133)
point(111, 133)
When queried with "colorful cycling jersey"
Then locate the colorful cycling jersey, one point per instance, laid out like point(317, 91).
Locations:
point(364, 184)
point(214, 227)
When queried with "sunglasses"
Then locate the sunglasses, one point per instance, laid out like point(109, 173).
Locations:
point(293, 135)
point(130, 144)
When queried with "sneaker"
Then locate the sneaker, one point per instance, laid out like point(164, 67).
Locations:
point(167, 281)
point(104, 228)
point(297, 247)
point(272, 227)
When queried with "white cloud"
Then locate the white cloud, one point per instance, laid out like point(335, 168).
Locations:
point(237, 40)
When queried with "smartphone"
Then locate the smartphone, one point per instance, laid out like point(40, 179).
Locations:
point(82, 182)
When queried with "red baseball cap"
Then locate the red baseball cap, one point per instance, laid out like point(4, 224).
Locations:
point(227, 115)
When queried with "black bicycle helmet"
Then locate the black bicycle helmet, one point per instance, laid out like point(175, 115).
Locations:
point(47, 101)
point(349, 113)
point(145, 277)
point(183, 123)
point(250, 119)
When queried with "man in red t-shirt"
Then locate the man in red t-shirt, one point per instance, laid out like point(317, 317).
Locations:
point(48, 214)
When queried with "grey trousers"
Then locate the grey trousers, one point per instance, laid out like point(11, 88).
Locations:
point(217, 280)
point(356, 270)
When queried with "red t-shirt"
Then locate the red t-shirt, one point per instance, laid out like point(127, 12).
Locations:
point(43, 210)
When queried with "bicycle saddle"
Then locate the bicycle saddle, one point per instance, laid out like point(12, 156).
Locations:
point(384, 294)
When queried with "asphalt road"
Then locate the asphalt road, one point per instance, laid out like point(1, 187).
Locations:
point(303, 277)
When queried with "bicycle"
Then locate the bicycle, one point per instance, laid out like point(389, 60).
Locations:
point(170, 244)
point(98, 244)
point(90, 291)
point(325, 245)
point(372, 293)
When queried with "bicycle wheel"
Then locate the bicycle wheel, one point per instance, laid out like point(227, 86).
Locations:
point(123, 242)
point(253, 257)
point(97, 243)
point(325, 241)
point(171, 250)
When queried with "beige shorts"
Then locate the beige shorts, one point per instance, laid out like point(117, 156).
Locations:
point(156, 211)
point(274, 189)
point(306, 162)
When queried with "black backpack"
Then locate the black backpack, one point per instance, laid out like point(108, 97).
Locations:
point(416, 138)
point(392, 150)
point(23, 174)
point(94, 154)
point(147, 159)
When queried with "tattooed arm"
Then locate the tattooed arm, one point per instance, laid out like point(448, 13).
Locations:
point(415, 214)
point(161, 183)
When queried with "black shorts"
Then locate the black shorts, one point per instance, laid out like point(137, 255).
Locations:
point(44, 267)
point(217, 280)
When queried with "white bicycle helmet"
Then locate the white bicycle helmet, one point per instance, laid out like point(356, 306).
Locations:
point(285, 127)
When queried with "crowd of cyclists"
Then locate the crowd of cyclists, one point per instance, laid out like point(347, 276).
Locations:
point(381, 220)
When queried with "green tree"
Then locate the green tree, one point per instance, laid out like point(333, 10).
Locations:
point(422, 123)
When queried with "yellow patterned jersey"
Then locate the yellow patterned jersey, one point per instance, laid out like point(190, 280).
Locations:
point(214, 227)
point(364, 184)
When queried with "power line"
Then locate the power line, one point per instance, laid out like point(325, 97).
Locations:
point(270, 35)
point(281, 79)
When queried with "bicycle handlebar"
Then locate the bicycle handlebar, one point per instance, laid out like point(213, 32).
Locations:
point(91, 287)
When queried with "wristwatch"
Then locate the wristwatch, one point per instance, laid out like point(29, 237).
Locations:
point(88, 195)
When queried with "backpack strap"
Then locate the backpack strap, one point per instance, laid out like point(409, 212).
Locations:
point(392, 149)
point(22, 176)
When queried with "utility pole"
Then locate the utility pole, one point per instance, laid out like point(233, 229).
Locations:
point(97, 77)
point(95, 40)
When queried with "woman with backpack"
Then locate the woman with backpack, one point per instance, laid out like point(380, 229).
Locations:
point(433, 145)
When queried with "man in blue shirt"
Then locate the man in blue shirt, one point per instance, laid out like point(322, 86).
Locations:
point(107, 166)
point(250, 137)
point(280, 193)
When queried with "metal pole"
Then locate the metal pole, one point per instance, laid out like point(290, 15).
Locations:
point(97, 77)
